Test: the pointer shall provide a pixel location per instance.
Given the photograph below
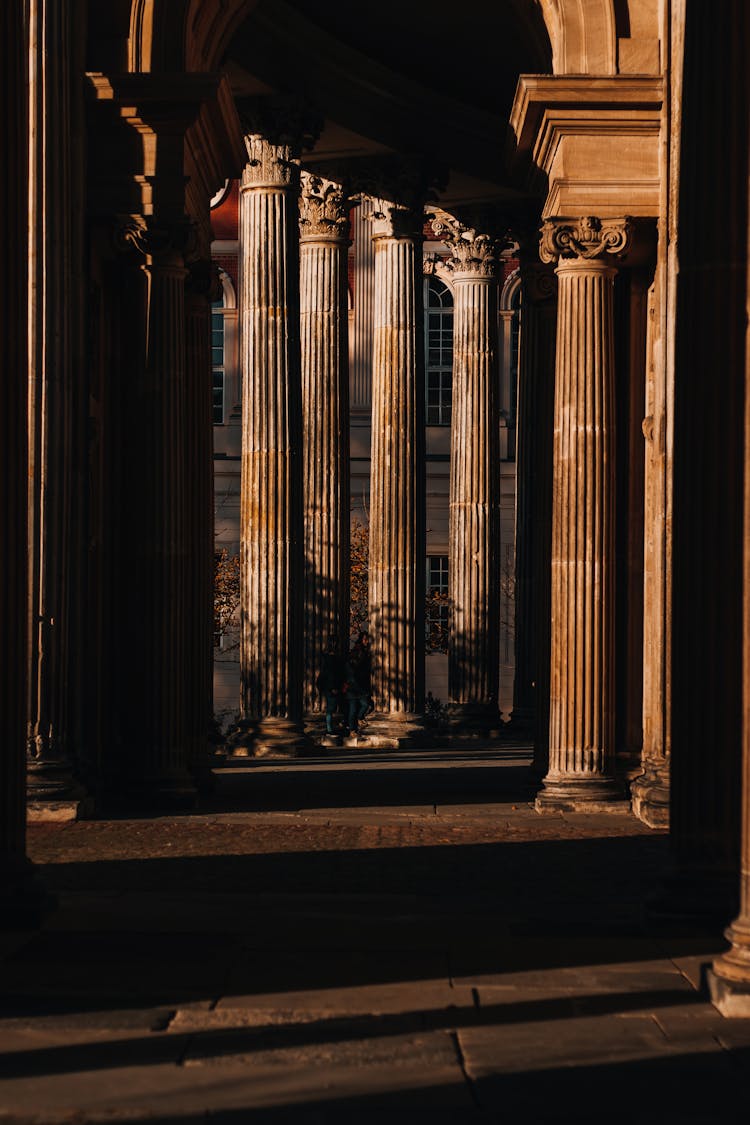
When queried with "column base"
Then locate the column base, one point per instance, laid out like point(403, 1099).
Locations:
point(600, 794)
point(728, 978)
point(650, 797)
point(53, 793)
point(268, 738)
point(474, 720)
point(399, 730)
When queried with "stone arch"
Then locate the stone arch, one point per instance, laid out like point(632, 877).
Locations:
point(510, 291)
point(175, 35)
point(602, 36)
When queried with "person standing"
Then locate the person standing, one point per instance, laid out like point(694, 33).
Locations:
point(331, 682)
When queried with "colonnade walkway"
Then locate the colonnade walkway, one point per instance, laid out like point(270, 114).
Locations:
point(363, 939)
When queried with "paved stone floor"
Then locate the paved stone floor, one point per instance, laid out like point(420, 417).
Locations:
point(363, 939)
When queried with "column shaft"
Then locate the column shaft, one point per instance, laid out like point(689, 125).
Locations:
point(199, 435)
point(158, 736)
point(325, 409)
point(271, 531)
point(14, 868)
point(397, 499)
point(474, 562)
point(53, 539)
point(536, 384)
point(581, 750)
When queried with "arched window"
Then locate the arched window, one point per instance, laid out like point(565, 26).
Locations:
point(438, 325)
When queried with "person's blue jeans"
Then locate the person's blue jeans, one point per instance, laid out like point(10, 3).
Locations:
point(356, 710)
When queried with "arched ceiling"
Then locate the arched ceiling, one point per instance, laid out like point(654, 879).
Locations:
point(400, 77)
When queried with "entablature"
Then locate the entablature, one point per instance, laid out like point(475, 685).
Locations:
point(589, 145)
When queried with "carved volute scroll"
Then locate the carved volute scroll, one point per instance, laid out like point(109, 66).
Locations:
point(588, 238)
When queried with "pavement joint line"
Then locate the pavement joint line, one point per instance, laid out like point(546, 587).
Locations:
point(464, 1070)
point(659, 1024)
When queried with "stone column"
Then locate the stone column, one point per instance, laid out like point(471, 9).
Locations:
point(158, 635)
point(397, 487)
point(708, 697)
point(271, 523)
point(581, 750)
point(324, 244)
point(53, 365)
point(17, 899)
point(201, 282)
point(474, 527)
point(536, 387)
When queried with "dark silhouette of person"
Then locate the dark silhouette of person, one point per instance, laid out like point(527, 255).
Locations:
point(331, 681)
point(358, 675)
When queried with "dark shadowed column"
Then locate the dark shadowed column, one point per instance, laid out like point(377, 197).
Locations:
point(16, 893)
point(324, 246)
point(708, 711)
point(536, 390)
point(581, 735)
point(55, 560)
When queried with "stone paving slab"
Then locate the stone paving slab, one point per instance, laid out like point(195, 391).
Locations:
point(361, 963)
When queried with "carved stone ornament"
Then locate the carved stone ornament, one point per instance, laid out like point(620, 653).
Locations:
point(471, 252)
point(539, 282)
point(323, 208)
point(586, 238)
point(268, 164)
point(155, 239)
point(395, 220)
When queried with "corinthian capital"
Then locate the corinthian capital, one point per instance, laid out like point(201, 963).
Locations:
point(323, 208)
point(276, 131)
point(472, 252)
point(586, 238)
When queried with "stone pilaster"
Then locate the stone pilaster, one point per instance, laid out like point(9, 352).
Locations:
point(271, 522)
point(324, 244)
point(54, 560)
point(581, 750)
point(729, 980)
point(201, 282)
point(708, 685)
point(536, 387)
point(158, 752)
point(18, 901)
point(474, 527)
point(650, 790)
point(397, 496)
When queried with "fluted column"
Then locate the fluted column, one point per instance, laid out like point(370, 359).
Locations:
point(581, 749)
point(53, 365)
point(271, 524)
point(536, 387)
point(474, 522)
point(397, 497)
point(324, 243)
